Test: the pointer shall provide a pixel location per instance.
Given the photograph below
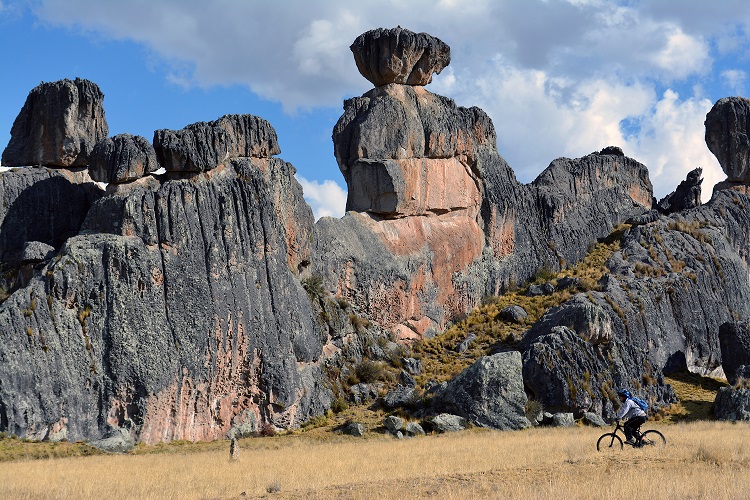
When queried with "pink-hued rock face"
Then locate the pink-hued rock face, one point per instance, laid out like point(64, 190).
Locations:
point(417, 186)
point(399, 56)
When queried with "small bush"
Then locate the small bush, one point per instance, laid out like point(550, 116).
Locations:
point(339, 405)
point(313, 285)
point(371, 371)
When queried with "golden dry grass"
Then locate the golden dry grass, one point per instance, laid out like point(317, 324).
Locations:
point(701, 460)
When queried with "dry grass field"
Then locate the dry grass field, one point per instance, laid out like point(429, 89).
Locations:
point(701, 460)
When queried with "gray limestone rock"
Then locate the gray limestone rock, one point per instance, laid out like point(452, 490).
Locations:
point(513, 313)
point(36, 251)
point(401, 397)
point(118, 441)
point(466, 343)
point(398, 55)
point(563, 420)
point(354, 429)
point(734, 342)
point(413, 429)
point(593, 420)
point(43, 205)
point(59, 124)
point(732, 404)
point(686, 196)
point(490, 393)
point(727, 127)
point(122, 158)
point(393, 423)
point(446, 422)
point(176, 305)
point(203, 146)
point(411, 365)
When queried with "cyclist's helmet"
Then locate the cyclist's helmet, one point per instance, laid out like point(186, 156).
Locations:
point(623, 392)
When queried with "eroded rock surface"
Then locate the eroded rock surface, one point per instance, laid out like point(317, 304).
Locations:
point(727, 126)
point(59, 124)
point(204, 145)
point(399, 56)
point(122, 158)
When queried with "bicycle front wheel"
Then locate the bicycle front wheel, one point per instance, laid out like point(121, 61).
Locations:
point(609, 442)
point(653, 438)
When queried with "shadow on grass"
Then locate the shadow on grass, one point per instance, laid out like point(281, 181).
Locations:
point(695, 396)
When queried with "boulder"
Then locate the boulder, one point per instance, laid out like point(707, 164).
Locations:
point(563, 420)
point(466, 343)
point(58, 126)
point(590, 321)
point(118, 441)
point(401, 397)
point(36, 251)
point(203, 146)
point(490, 393)
point(122, 158)
point(727, 136)
point(593, 420)
point(686, 196)
point(354, 429)
point(734, 342)
point(362, 393)
point(514, 314)
point(393, 423)
point(413, 429)
point(446, 422)
point(398, 55)
point(732, 404)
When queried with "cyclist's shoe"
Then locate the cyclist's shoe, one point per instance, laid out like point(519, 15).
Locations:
point(630, 441)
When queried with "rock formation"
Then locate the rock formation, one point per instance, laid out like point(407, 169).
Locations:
point(122, 158)
point(726, 136)
point(203, 146)
point(175, 312)
point(436, 219)
point(399, 56)
point(686, 196)
point(58, 126)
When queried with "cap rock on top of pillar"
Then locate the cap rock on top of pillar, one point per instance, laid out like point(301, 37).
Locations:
point(398, 55)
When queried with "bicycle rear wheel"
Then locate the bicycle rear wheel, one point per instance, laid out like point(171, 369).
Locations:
point(609, 442)
point(653, 438)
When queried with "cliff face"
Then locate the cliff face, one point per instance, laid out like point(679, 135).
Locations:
point(173, 310)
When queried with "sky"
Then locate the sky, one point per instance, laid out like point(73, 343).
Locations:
point(559, 78)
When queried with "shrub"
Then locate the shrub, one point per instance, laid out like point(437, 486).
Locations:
point(313, 285)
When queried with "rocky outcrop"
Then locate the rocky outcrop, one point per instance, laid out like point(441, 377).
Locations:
point(489, 393)
point(686, 196)
point(732, 404)
point(436, 218)
point(566, 372)
point(399, 56)
point(58, 125)
point(173, 310)
point(727, 126)
point(203, 146)
point(734, 342)
point(44, 205)
point(122, 158)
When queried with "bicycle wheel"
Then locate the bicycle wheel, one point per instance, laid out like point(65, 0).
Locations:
point(653, 438)
point(609, 442)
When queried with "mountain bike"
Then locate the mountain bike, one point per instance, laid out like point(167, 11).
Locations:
point(612, 442)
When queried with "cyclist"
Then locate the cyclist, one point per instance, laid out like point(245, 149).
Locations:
point(632, 412)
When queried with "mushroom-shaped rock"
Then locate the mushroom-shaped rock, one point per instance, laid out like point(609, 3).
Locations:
point(398, 55)
point(727, 129)
point(686, 196)
point(204, 145)
point(122, 158)
point(58, 125)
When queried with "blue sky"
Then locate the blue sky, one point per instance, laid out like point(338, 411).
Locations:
point(558, 77)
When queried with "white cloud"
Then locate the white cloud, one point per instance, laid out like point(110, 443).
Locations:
point(682, 55)
point(735, 79)
point(327, 199)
